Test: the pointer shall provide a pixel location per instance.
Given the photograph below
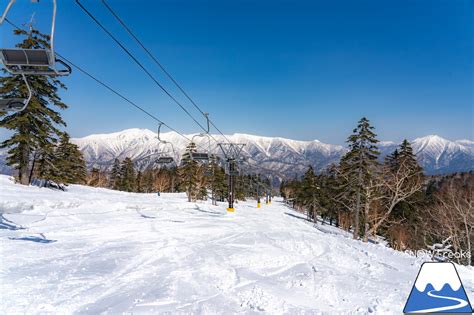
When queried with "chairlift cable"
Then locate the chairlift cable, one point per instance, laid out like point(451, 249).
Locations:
point(128, 100)
point(108, 87)
point(158, 63)
point(148, 72)
point(138, 63)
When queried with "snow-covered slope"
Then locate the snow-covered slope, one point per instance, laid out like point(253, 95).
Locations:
point(279, 156)
point(92, 251)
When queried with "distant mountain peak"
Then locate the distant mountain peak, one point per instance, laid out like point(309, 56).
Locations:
point(432, 138)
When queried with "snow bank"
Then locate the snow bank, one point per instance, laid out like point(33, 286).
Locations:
point(91, 250)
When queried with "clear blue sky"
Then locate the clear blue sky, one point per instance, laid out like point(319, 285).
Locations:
point(297, 69)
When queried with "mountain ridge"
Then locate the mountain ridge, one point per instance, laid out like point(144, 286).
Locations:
point(286, 157)
point(282, 157)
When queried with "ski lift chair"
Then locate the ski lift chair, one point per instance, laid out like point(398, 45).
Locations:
point(32, 62)
point(23, 62)
point(164, 158)
point(16, 104)
point(209, 170)
point(38, 61)
point(201, 156)
point(234, 173)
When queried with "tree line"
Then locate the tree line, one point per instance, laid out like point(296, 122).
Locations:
point(200, 181)
point(390, 198)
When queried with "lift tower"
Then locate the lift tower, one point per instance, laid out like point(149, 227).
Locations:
point(231, 153)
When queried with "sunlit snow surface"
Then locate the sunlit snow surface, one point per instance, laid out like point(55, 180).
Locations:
point(94, 250)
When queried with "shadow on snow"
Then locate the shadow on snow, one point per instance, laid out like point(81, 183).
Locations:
point(36, 239)
point(6, 224)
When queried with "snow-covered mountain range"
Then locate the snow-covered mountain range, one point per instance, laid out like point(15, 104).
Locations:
point(278, 156)
point(281, 157)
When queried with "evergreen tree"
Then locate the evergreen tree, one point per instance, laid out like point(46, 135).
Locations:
point(128, 178)
point(283, 189)
point(393, 160)
point(115, 175)
point(404, 156)
point(218, 182)
point(139, 182)
point(96, 178)
point(308, 193)
point(359, 165)
point(407, 156)
point(406, 211)
point(188, 172)
point(70, 162)
point(36, 127)
point(175, 179)
point(240, 191)
point(202, 182)
point(329, 190)
point(345, 191)
point(45, 163)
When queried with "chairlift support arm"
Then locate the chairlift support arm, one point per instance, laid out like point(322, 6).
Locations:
point(30, 93)
point(164, 142)
point(17, 104)
point(53, 22)
point(4, 15)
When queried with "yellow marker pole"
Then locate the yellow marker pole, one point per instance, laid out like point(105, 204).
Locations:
point(230, 209)
point(258, 204)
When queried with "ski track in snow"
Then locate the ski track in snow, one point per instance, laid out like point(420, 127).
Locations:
point(113, 252)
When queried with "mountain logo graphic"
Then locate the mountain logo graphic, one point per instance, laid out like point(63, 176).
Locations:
point(438, 289)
